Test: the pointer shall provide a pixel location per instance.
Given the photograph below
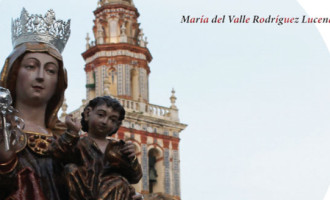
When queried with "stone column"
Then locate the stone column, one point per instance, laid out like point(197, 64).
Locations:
point(167, 179)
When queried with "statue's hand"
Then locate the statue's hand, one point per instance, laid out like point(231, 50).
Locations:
point(8, 158)
point(12, 138)
point(73, 124)
point(11, 132)
point(5, 155)
point(129, 150)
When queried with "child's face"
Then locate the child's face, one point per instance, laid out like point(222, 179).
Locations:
point(102, 120)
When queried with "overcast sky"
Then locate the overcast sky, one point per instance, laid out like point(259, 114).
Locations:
point(256, 97)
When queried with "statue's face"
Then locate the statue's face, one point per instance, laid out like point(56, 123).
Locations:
point(37, 78)
point(102, 120)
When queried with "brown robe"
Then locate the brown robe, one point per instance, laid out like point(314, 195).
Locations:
point(35, 176)
point(90, 176)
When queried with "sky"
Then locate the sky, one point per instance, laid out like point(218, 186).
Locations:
point(256, 97)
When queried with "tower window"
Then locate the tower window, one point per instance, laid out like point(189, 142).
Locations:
point(152, 155)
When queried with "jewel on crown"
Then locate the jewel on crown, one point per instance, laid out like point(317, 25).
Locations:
point(36, 28)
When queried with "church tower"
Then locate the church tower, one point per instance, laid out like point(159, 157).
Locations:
point(117, 61)
point(117, 64)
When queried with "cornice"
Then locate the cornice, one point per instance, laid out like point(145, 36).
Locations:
point(116, 6)
point(154, 120)
point(103, 60)
point(115, 47)
point(145, 133)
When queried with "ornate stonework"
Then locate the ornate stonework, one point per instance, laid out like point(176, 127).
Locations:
point(117, 62)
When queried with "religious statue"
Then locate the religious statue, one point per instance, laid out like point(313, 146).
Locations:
point(35, 76)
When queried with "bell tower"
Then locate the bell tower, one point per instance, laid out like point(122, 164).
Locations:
point(117, 61)
point(117, 64)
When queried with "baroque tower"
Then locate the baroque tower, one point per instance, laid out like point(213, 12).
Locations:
point(117, 64)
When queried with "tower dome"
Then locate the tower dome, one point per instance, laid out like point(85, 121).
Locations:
point(125, 2)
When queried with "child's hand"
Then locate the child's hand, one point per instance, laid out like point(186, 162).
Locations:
point(135, 195)
point(129, 150)
point(73, 124)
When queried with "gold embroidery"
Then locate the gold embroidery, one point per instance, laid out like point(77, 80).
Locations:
point(39, 142)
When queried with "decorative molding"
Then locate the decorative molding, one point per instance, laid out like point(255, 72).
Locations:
point(114, 47)
point(115, 53)
point(147, 134)
point(113, 8)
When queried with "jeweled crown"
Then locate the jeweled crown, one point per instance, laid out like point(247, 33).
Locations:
point(35, 28)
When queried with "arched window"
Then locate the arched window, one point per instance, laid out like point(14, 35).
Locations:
point(112, 80)
point(135, 84)
point(153, 174)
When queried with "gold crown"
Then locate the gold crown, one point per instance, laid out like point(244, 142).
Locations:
point(35, 28)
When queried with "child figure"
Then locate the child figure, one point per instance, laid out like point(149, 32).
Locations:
point(100, 168)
